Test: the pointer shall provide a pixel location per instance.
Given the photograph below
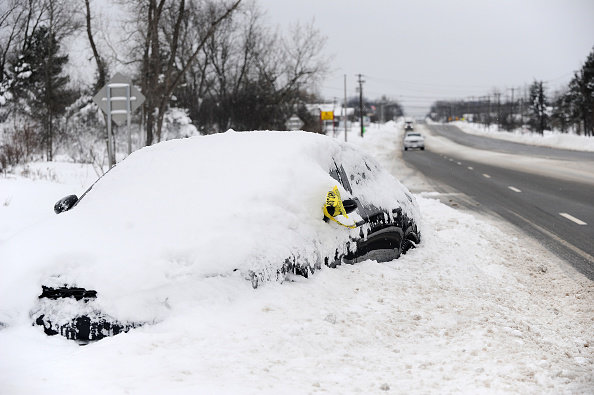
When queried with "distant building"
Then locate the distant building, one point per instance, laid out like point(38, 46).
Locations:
point(316, 109)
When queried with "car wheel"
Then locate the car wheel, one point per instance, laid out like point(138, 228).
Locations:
point(422, 148)
point(405, 148)
point(411, 239)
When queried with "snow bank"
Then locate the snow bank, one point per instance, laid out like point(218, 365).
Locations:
point(548, 139)
point(472, 310)
point(477, 308)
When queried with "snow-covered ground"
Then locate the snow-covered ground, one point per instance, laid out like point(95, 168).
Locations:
point(476, 308)
point(549, 138)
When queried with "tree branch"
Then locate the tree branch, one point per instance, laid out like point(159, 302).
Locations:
point(210, 31)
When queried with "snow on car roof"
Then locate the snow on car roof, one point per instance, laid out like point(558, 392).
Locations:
point(184, 210)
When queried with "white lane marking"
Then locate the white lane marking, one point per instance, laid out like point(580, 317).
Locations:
point(451, 160)
point(486, 175)
point(459, 163)
point(514, 189)
point(583, 254)
point(573, 219)
point(470, 168)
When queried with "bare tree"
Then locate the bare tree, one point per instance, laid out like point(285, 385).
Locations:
point(101, 65)
point(12, 14)
point(160, 73)
point(253, 77)
point(287, 66)
point(231, 58)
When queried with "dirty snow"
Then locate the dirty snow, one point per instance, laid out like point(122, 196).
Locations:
point(477, 308)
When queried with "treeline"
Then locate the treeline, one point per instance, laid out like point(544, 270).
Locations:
point(379, 110)
point(215, 62)
point(570, 110)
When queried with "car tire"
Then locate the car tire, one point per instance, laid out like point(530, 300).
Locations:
point(410, 240)
point(406, 149)
point(422, 148)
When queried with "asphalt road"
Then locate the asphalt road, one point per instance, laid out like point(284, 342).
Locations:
point(479, 142)
point(559, 213)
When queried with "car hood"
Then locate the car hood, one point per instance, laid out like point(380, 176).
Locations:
point(182, 211)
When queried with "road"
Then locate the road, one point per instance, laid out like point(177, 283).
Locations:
point(456, 135)
point(555, 207)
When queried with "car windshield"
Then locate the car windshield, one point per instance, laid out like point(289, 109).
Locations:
point(413, 135)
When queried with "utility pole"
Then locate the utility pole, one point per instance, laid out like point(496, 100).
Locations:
point(489, 117)
point(361, 81)
point(333, 117)
point(345, 118)
point(513, 105)
point(521, 112)
point(498, 95)
point(483, 109)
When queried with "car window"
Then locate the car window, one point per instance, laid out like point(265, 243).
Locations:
point(361, 174)
point(355, 174)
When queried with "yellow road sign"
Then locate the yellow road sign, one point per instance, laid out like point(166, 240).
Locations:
point(327, 115)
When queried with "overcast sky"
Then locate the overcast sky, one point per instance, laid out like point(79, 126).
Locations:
point(420, 51)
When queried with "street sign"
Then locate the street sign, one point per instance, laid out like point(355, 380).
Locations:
point(294, 123)
point(327, 115)
point(117, 99)
point(116, 93)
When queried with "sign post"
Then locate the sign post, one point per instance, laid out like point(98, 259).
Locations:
point(326, 116)
point(118, 99)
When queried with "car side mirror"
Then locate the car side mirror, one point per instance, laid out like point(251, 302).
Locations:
point(349, 205)
point(65, 204)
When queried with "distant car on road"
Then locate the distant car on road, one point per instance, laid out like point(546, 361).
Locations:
point(148, 236)
point(414, 140)
point(408, 126)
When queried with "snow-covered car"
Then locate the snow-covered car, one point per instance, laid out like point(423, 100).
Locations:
point(414, 140)
point(259, 206)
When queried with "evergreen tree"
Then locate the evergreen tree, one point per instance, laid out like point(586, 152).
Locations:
point(561, 115)
point(576, 107)
point(39, 83)
point(587, 92)
point(538, 107)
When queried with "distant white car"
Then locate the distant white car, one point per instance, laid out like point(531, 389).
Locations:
point(414, 140)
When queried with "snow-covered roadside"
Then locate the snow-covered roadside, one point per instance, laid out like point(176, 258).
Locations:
point(477, 308)
point(548, 139)
point(27, 195)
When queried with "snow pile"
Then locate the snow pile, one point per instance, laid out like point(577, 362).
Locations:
point(477, 308)
point(178, 212)
point(548, 139)
point(178, 124)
